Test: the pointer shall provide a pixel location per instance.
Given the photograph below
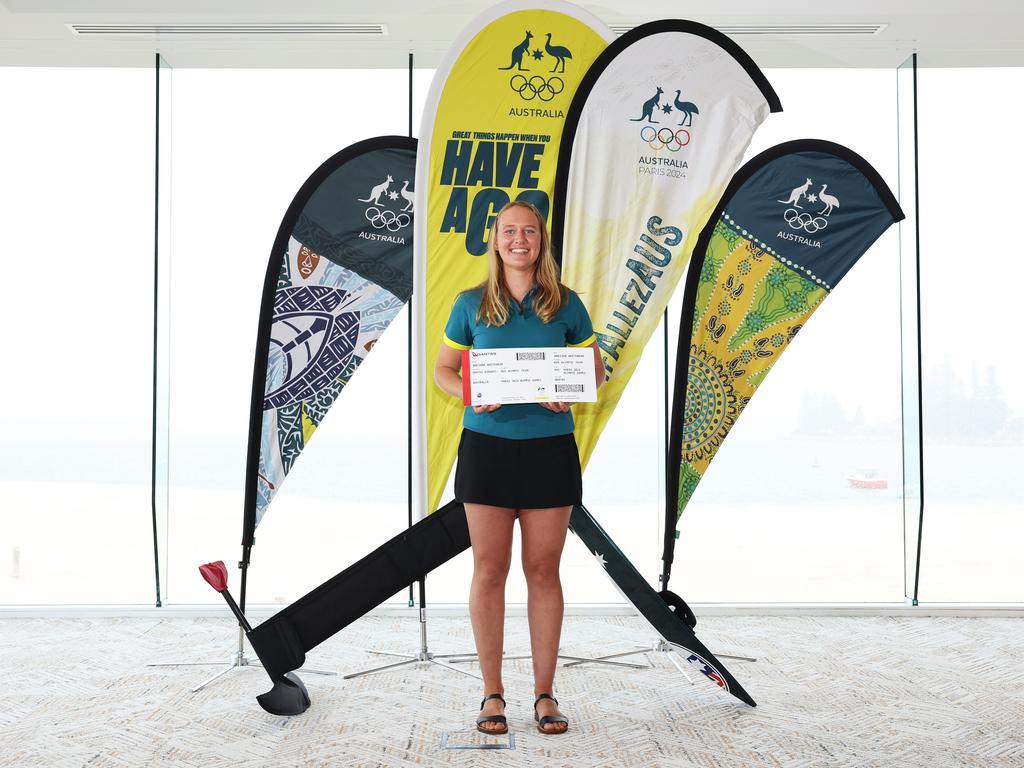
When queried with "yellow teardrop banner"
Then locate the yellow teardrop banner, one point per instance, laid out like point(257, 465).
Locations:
point(491, 131)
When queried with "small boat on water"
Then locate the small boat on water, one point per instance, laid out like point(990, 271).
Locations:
point(868, 479)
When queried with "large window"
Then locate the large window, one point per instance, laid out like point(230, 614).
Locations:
point(243, 142)
point(973, 399)
point(775, 518)
point(76, 222)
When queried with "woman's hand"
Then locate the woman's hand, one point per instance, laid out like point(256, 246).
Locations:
point(486, 408)
point(556, 407)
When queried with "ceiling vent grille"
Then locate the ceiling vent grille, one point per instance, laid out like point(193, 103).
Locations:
point(783, 30)
point(218, 30)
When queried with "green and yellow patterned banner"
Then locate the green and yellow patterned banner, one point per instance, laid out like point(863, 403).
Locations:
point(792, 223)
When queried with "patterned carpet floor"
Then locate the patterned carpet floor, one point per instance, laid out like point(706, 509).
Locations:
point(832, 691)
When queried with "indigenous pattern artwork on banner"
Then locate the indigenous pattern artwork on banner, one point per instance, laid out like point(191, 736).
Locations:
point(656, 130)
point(793, 222)
point(490, 134)
point(341, 270)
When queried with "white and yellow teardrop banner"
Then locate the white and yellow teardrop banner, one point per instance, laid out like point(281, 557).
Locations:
point(652, 138)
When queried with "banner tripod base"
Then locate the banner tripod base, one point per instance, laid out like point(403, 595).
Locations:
point(470, 657)
point(423, 656)
point(238, 661)
point(660, 646)
point(410, 658)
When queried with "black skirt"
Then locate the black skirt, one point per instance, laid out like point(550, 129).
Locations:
point(536, 473)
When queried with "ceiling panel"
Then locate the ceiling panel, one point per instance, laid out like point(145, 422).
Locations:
point(777, 34)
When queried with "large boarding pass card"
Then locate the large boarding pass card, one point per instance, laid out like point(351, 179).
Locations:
point(530, 375)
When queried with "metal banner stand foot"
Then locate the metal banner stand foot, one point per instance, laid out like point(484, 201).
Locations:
point(470, 657)
point(422, 656)
point(660, 646)
point(238, 661)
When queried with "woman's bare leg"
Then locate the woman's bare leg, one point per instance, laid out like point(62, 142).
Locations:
point(543, 539)
point(490, 532)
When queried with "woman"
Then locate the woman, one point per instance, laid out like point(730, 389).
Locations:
point(517, 461)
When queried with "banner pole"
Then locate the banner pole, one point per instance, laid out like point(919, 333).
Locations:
point(156, 336)
point(415, 466)
point(424, 651)
point(665, 374)
point(920, 388)
point(408, 374)
point(243, 566)
point(667, 445)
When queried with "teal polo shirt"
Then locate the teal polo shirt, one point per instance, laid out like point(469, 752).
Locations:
point(570, 327)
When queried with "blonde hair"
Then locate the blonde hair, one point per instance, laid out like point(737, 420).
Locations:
point(497, 299)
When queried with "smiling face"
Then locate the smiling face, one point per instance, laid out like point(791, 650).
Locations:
point(518, 239)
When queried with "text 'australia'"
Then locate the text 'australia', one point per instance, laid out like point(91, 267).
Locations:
point(669, 161)
point(799, 239)
point(536, 112)
point(382, 238)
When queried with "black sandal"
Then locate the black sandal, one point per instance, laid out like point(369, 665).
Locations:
point(492, 718)
point(548, 719)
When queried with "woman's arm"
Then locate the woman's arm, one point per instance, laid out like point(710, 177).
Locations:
point(446, 370)
point(448, 378)
point(598, 364)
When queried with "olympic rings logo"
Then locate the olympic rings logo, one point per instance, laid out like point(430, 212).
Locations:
point(665, 137)
point(537, 87)
point(805, 221)
point(381, 218)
